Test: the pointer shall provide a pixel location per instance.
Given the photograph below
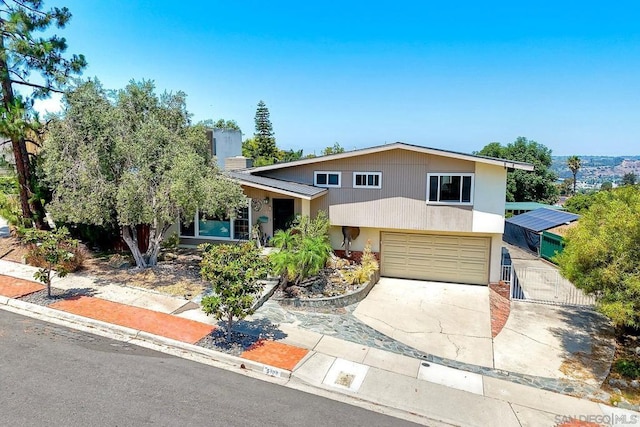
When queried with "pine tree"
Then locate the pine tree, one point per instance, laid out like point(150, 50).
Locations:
point(22, 52)
point(266, 142)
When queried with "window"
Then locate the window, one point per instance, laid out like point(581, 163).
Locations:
point(327, 179)
point(225, 228)
point(367, 180)
point(450, 188)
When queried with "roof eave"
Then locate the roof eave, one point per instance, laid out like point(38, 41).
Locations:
point(509, 164)
point(280, 191)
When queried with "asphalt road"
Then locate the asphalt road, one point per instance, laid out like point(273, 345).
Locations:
point(55, 376)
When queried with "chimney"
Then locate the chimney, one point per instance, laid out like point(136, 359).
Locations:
point(237, 163)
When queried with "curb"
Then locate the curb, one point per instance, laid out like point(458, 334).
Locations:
point(137, 337)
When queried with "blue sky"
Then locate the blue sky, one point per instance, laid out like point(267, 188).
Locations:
point(456, 76)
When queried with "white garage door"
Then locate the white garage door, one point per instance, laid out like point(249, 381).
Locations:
point(458, 259)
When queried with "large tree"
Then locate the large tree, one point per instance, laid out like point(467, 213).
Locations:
point(602, 252)
point(574, 163)
point(629, 178)
point(131, 158)
point(266, 149)
point(524, 186)
point(23, 51)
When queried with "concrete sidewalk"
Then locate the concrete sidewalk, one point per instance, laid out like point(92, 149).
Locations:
point(394, 384)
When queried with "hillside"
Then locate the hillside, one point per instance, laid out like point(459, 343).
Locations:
point(598, 169)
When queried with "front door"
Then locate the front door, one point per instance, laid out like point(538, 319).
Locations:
point(283, 214)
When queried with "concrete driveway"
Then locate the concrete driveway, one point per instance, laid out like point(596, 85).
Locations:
point(555, 342)
point(443, 319)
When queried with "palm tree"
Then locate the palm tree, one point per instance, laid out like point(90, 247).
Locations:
point(574, 164)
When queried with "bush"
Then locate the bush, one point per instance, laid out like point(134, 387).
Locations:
point(368, 266)
point(628, 368)
point(233, 271)
point(36, 254)
point(53, 250)
point(10, 202)
point(170, 242)
point(304, 249)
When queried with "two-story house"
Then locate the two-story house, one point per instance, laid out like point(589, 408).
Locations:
point(429, 214)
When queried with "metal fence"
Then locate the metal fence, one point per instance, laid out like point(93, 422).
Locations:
point(543, 285)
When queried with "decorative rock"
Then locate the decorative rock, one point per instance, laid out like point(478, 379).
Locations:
point(616, 390)
point(635, 384)
point(637, 350)
point(170, 256)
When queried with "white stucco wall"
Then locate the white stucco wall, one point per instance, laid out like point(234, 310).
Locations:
point(226, 143)
point(489, 198)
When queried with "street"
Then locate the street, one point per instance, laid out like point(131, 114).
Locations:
point(55, 376)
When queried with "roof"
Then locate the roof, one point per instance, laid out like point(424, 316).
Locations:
point(511, 164)
point(294, 189)
point(528, 206)
point(542, 219)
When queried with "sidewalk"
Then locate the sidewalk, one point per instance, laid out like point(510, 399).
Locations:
point(380, 380)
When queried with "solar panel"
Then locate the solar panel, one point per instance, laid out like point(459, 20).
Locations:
point(542, 219)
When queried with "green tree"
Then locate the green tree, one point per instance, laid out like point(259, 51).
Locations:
point(607, 185)
point(579, 203)
point(23, 52)
point(602, 252)
point(267, 151)
point(524, 186)
point(53, 249)
point(290, 155)
point(574, 163)
point(335, 149)
point(629, 178)
point(132, 158)
point(564, 188)
point(226, 124)
point(233, 271)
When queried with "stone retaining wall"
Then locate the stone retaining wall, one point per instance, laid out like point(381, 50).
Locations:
point(333, 302)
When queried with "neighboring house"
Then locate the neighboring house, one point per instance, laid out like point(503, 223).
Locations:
point(429, 214)
point(539, 231)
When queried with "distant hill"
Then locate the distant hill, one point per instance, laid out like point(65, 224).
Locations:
point(598, 169)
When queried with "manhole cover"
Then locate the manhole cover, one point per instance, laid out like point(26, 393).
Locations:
point(345, 379)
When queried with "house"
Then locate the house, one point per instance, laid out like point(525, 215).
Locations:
point(428, 213)
point(539, 231)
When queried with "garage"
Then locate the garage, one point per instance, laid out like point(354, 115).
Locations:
point(461, 259)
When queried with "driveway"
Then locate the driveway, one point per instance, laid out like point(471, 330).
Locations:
point(443, 319)
point(551, 340)
point(555, 342)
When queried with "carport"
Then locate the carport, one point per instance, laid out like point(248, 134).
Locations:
point(525, 230)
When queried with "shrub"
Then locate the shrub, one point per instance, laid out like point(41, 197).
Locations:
point(233, 271)
point(316, 227)
point(628, 368)
point(36, 255)
point(305, 258)
point(304, 249)
point(53, 250)
point(10, 202)
point(368, 266)
point(170, 242)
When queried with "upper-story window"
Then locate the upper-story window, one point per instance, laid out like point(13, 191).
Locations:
point(450, 188)
point(327, 179)
point(367, 180)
